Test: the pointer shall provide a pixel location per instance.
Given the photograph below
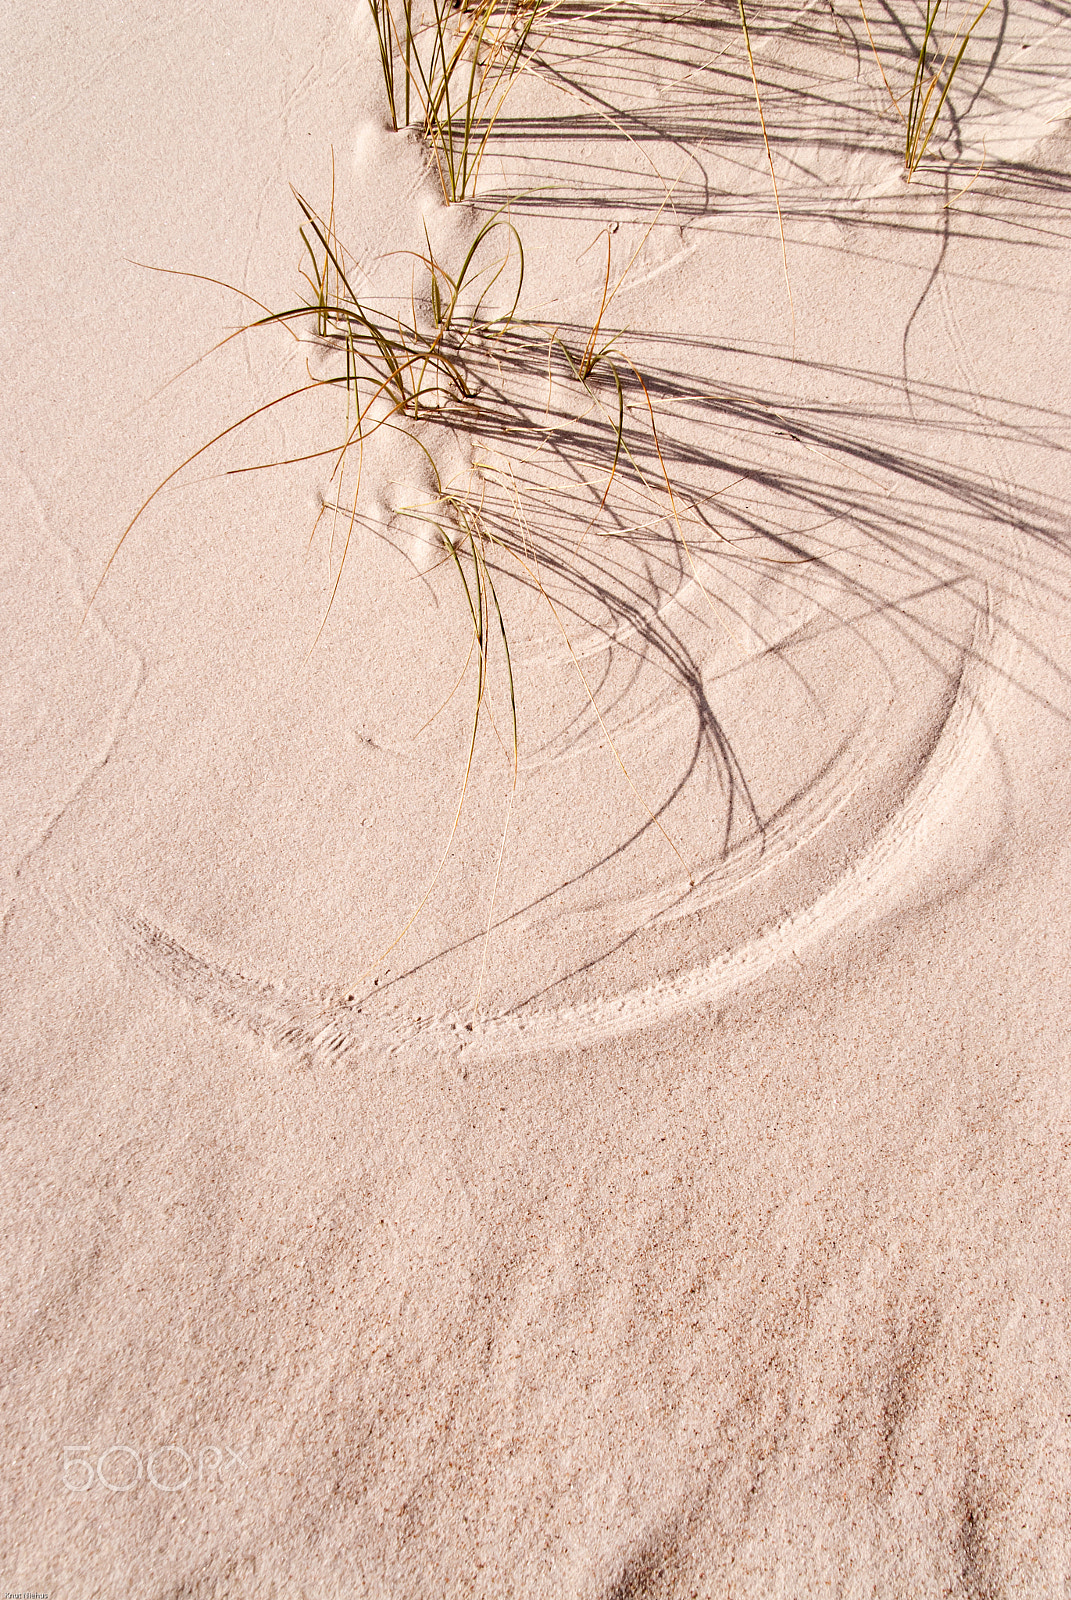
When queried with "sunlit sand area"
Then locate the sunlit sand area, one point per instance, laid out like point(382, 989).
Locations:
point(535, 871)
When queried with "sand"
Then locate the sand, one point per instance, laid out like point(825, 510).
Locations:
point(680, 1207)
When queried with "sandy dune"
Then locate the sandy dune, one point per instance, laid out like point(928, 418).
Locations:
point(680, 1206)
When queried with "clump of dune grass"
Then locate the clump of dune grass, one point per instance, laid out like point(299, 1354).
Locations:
point(924, 111)
point(447, 68)
point(930, 83)
point(451, 360)
point(390, 367)
point(417, 367)
point(479, 372)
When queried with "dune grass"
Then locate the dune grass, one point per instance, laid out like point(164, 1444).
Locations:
point(417, 368)
point(428, 366)
point(391, 366)
point(930, 85)
point(923, 111)
point(448, 68)
point(473, 545)
point(451, 360)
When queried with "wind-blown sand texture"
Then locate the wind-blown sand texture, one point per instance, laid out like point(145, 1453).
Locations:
point(681, 1207)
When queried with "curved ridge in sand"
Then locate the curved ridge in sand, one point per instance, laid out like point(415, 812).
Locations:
point(934, 843)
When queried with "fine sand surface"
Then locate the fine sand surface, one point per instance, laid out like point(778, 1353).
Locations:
point(680, 1207)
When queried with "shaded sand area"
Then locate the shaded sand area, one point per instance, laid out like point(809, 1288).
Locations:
point(680, 1206)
